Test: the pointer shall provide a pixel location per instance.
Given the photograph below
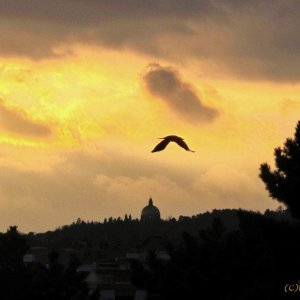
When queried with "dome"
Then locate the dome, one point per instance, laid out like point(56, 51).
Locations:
point(150, 212)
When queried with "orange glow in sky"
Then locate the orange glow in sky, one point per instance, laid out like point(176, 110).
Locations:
point(79, 116)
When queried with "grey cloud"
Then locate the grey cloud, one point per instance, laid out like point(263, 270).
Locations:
point(35, 29)
point(166, 84)
point(18, 122)
point(251, 39)
point(83, 12)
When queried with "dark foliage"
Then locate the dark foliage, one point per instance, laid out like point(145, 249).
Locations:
point(226, 254)
point(34, 281)
point(283, 183)
point(253, 262)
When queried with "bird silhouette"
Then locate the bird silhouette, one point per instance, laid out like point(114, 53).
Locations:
point(171, 138)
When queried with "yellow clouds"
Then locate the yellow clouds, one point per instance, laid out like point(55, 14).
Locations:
point(99, 95)
point(91, 125)
point(78, 97)
point(233, 186)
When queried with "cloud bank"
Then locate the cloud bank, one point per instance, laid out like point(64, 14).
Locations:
point(251, 39)
point(166, 84)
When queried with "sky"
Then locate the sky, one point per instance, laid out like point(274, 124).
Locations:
point(88, 87)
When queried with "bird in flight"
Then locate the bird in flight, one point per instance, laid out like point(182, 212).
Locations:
point(171, 138)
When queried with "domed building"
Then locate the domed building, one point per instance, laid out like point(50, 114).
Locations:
point(150, 212)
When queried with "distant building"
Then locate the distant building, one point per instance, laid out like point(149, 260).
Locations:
point(40, 255)
point(150, 212)
point(28, 258)
point(36, 255)
point(112, 280)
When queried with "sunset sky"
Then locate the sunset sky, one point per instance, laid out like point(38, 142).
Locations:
point(87, 87)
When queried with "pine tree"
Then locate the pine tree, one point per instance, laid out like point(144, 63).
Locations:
point(283, 183)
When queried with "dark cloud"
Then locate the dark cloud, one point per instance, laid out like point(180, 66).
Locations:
point(36, 29)
point(254, 39)
point(16, 121)
point(166, 84)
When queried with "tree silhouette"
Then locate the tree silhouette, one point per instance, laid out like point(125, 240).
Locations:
point(283, 183)
point(13, 246)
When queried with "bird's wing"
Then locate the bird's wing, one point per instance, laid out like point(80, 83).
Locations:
point(161, 146)
point(183, 144)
